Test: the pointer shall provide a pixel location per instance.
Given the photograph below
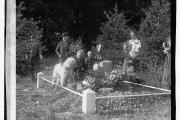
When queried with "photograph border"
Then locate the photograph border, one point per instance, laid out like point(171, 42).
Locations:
point(9, 60)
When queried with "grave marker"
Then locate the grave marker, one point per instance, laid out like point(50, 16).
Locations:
point(88, 101)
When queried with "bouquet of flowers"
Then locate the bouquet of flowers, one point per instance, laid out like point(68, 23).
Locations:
point(93, 80)
point(114, 77)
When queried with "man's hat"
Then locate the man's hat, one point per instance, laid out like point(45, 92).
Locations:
point(65, 34)
point(80, 51)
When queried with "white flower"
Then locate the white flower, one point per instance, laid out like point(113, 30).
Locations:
point(112, 77)
point(85, 83)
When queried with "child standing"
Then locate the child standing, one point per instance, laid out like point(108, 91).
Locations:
point(90, 60)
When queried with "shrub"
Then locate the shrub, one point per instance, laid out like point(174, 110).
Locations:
point(25, 28)
point(154, 29)
point(76, 45)
point(114, 33)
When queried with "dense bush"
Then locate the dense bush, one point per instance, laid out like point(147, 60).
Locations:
point(25, 29)
point(76, 45)
point(154, 29)
point(114, 33)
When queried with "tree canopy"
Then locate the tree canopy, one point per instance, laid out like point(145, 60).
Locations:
point(78, 17)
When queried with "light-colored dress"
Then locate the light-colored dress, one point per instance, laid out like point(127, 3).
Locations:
point(131, 49)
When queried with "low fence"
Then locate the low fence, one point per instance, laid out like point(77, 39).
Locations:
point(89, 97)
point(79, 94)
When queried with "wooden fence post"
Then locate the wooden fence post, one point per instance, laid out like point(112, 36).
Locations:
point(38, 78)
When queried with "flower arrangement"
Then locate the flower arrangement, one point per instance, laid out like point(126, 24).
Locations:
point(96, 80)
point(89, 82)
point(93, 80)
point(114, 77)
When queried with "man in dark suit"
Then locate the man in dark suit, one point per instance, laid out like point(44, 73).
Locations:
point(63, 47)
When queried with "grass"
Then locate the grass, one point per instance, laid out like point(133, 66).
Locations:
point(153, 78)
point(44, 103)
point(50, 103)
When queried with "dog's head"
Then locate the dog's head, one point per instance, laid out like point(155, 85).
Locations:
point(69, 63)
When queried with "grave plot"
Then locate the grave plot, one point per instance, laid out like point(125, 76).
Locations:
point(125, 88)
point(123, 97)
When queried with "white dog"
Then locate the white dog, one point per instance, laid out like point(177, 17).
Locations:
point(63, 73)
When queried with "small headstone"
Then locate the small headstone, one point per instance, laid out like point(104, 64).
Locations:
point(96, 67)
point(88, 101)
point(106, 65)
point(105, 90)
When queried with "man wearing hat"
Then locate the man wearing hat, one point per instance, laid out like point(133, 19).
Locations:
point(63, 47)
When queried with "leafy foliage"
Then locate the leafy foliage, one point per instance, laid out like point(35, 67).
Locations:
point(26, 28)
point(154, 29)
point(77, 17)
point(76, 45)
point(114, 33)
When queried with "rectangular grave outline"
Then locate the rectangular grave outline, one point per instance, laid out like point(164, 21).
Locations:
point(168, 92)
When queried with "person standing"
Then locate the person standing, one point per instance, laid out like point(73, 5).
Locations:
point(34, 57)
point(90, 60)
point(166, 79)
point(63, 47)
point(131, 49)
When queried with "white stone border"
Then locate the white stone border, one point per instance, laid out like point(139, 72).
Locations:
point(38, 84)
point(148, 86)
point(167, 92)
point(138, 95)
